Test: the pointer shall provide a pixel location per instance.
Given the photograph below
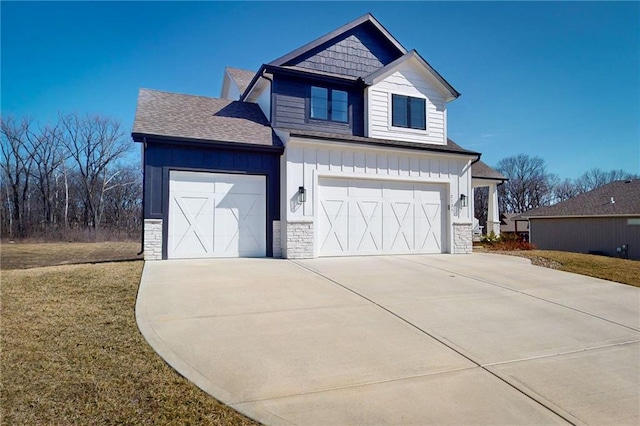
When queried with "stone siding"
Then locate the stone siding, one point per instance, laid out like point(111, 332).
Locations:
point(462, 238)
point(277, 240)
point(300, 239)
point(153, 239)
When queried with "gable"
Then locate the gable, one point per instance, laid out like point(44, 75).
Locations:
point(356, 53)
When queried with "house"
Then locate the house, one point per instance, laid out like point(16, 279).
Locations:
point(337, 148)
point(604, 221)
point(513, 223)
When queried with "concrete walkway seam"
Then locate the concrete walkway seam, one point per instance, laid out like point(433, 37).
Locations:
point(537, 398)
point(523, 293)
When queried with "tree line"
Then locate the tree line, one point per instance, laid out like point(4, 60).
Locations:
point(531, 185)
point(69, 180)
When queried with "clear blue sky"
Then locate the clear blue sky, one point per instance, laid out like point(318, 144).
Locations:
point(557, 80)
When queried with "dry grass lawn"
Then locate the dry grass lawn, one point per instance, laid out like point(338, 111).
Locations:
point(21, 256)
point(609, 268)
point(72, 353)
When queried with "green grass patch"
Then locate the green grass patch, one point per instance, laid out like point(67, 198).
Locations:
point(72, 352)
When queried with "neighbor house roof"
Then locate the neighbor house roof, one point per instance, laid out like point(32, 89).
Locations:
point(175, 115)
point(241, 77)
point(451, 146)
point(619, 198)
point(480, 170)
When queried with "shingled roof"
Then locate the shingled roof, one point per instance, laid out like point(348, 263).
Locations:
point(480, 170)
point(619, 198)
point(451, 146)
point(201, 118)
point(241, 77)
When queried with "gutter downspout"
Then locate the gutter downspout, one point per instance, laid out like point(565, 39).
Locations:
point(144, 177)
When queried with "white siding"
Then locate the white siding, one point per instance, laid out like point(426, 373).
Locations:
point(306, 161)
point(264, 101)
point(232, 90)
point(406, 80)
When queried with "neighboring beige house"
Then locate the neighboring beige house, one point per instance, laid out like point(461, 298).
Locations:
point(513, 223)
point(603, 221)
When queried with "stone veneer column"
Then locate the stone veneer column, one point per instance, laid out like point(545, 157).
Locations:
point(462, 238)
point(300, 239)
point(153, 239)
point(277, 240)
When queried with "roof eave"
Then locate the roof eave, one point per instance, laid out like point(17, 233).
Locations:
point(413, 54)
point(150, 137)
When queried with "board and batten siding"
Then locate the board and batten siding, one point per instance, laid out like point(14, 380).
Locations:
point(306, 160)
point(586, 234)
point(406, 80)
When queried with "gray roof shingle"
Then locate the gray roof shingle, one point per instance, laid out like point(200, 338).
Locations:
point(481, 170)
point(241, 77)
point(451, 146)
point(625, 194)
point(203, 118)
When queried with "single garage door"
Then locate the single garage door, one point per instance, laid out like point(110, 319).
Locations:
point(360, 217)
point(216, 215)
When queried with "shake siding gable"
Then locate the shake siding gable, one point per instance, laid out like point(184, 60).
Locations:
point(356, 53)
point(407, 80)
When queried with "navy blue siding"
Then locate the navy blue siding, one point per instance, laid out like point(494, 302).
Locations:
point(356, 53)
point(160, 158)
point(291, 107)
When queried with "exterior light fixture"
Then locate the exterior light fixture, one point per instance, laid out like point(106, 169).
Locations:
point(302, 194)
point(463, 200)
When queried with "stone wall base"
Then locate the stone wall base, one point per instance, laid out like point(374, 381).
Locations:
point(277, 240)
point(462, 238)
point(153, 239)
point(299, 234)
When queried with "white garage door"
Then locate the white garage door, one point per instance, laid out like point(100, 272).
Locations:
point(360, 217)
point(216, 215)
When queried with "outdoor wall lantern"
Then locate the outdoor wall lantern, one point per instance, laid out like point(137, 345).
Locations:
point(463, 200)
point(302, 194)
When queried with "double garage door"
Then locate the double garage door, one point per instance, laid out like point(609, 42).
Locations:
point(216, 215)
point(360, 217)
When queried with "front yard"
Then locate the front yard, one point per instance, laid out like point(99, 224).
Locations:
point(71, 349)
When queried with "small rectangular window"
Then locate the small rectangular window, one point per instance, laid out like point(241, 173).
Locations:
point(409, 112)
point(329, 104)
point(319, 103)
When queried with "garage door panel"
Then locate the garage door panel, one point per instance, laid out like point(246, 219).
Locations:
point(399, 226)
point(216, 215)
point(384, 217)
point(365, 226)
point(333, 219)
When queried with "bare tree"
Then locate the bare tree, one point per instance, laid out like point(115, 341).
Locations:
point(16, 164)
point(94, 144)
point(528, 186)
point(481, 204)
point(595, 178)
point(563, 190)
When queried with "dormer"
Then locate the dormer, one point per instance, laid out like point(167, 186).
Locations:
point(407, 100)
point(235, 82)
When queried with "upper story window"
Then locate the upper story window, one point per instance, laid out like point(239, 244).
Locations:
point(329, 104)
point(408, 112)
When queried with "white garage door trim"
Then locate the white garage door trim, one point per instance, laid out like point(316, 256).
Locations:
point(216, 215)
point(376, 216)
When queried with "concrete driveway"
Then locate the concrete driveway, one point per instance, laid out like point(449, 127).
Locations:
point(440, 339)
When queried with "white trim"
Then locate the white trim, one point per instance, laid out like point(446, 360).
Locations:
point(408, 130)
point(363, 147)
